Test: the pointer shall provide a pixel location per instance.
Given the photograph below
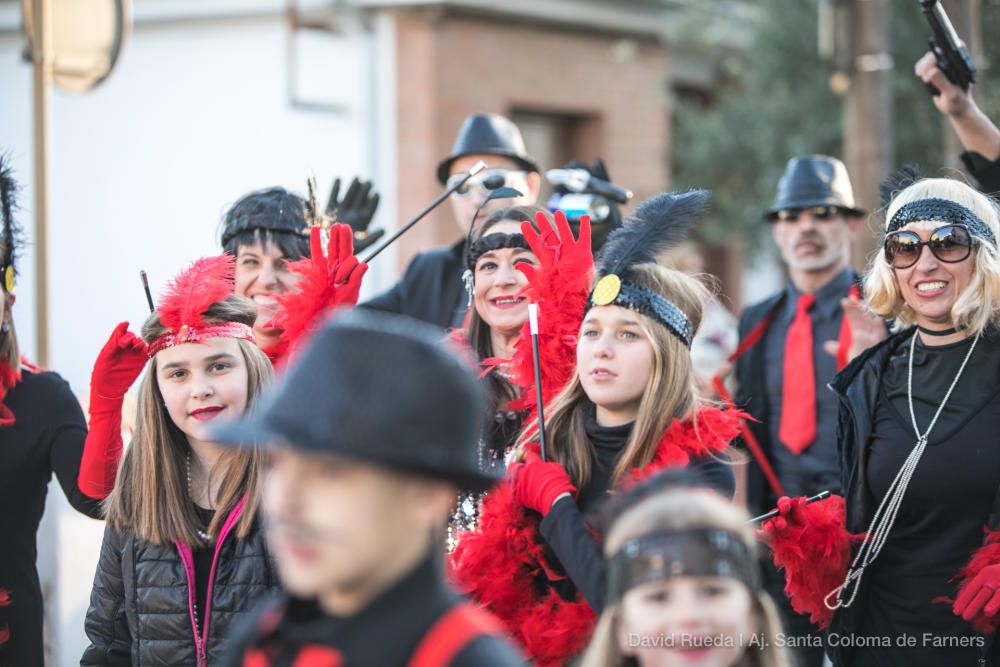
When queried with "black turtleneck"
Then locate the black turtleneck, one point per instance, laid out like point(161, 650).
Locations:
point(386, 632)
point(566, 529)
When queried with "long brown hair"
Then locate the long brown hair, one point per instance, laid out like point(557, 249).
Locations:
point(671, 392)
point(677, 510)
point(150, 496)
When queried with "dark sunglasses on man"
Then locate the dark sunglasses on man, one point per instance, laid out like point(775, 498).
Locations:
point(490, 179)
point(822, 213)
point(950, 244)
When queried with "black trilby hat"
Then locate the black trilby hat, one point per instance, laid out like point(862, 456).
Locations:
point(816, 180)
point(487, 134)
point(380, 388)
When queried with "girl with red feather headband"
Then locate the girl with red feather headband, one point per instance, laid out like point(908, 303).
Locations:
point(183, 556)
point(182, 513)
point(621, 403)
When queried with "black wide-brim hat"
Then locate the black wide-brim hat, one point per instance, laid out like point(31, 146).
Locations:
point(815, 180)
point(487, 134)
point(380, 388)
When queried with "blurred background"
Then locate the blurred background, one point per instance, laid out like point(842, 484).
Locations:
point(209, 99)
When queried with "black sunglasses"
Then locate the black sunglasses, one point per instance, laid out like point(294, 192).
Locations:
point(950, 244)
point(815, 212)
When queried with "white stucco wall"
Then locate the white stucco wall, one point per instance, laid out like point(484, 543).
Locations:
point(196, 114)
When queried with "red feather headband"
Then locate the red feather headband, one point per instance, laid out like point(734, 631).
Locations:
point(187, 297)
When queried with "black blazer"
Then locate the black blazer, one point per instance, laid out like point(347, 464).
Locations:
point(431, 289)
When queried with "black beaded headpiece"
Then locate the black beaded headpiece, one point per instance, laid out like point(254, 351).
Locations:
point(941, 210)
point(686, 553)
point(659, 223)
point(491, 242)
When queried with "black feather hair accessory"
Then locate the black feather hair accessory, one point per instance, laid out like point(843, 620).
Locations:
point(657, 225)
point(896, 182)
point(11, 232)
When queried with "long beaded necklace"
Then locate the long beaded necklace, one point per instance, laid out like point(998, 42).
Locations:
point(885, 516)
point(202, 535)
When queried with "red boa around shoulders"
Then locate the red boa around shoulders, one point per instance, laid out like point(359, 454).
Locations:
point(500, 564)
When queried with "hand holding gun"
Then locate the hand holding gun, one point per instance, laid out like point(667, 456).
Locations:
point(952, 56)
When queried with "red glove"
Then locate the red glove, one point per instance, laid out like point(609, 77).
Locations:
point(118, 365)
point(980, 595)
point(790, 516)
point(551, 248)
point(537, 483)
point(328, 281)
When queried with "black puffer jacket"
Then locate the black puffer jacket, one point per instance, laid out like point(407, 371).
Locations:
point(140, 609)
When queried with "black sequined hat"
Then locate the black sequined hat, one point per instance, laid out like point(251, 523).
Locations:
point(658, 224)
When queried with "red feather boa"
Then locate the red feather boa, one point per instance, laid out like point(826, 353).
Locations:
point(4, 630)
point(497, 564)
point(561, 291)
point(814, 554)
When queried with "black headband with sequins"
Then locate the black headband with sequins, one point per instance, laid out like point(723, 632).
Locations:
point(491, 242)
point(611, 291)
point(941, 210)
point(686, 553)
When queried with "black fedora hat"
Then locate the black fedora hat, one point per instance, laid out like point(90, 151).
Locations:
point(487, 134)
point(815, 180)
point(380, 388)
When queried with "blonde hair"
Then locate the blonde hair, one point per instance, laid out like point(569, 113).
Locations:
point(978, 305)
point(150, 496)
point(676, 510)
point(671, 392)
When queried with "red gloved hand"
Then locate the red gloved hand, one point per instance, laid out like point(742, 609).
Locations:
point(119, 363)
point(980, 594)
point(328, 281)
point(560, 248)
point(537, 484)
point(790, 516)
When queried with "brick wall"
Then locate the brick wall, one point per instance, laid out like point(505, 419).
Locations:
point(449, 66)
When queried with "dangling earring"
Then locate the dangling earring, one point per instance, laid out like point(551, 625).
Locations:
point(469, 287)
point(4, 328)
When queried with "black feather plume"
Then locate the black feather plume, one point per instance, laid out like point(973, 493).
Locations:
point(11, 232)
point(658, 224)
point(898, 180)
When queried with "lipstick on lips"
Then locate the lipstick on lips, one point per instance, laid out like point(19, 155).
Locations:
point(204, 414)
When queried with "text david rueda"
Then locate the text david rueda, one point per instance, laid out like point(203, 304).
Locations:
point(760, 640)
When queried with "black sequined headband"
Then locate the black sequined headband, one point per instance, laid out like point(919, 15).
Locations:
point(687, 553)
point(491, 242)
point(941, 210)
point(611, 291)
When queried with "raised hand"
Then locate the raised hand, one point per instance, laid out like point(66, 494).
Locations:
point(119, 363)
point(356, 210)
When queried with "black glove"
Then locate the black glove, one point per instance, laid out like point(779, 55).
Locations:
point(356, 209)
point(599, 229)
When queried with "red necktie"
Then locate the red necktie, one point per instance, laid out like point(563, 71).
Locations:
point(798, 390)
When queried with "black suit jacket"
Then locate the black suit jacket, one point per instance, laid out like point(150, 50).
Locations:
point(431, 289)
point(751, 396)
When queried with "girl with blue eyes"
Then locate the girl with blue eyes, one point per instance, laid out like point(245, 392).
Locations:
point(183, 556)
point(629, 407)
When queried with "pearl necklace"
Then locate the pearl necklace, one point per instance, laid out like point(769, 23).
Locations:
point(885, 516)
point(202, 535)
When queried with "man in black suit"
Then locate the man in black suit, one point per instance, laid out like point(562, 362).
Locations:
point(431, 289)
